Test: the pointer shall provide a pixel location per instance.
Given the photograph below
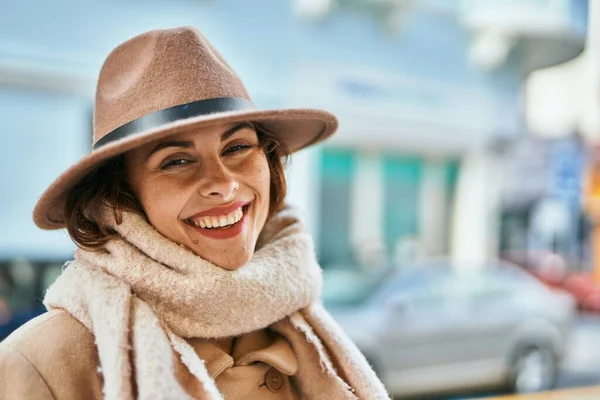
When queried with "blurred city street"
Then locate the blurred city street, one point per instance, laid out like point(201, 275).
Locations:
point(581, 366)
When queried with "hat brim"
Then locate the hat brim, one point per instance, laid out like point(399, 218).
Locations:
point(295, 129)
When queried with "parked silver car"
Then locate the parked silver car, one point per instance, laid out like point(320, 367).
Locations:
point(434, 328)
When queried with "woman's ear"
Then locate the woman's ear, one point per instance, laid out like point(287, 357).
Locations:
point(118, 215)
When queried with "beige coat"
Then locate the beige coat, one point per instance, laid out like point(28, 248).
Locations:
point(54, 357)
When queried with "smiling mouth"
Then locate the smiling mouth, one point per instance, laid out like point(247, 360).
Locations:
point(219, 222)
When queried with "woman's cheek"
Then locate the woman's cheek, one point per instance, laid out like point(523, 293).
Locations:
point(257, 168)
point(262, 173)
point(161, 198)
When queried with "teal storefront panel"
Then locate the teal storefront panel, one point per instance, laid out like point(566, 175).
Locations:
point(402, 177)
point(337, 172)
point(452, 170)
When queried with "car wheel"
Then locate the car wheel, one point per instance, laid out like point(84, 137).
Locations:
point(534, 369)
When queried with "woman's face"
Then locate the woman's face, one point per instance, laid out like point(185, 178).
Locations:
point(208, 190)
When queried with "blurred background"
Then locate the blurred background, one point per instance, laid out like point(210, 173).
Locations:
point(454, 212)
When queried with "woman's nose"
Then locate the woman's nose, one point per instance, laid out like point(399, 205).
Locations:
point(217, 182)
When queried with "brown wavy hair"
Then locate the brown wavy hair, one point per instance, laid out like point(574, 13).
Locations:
point(108, 186)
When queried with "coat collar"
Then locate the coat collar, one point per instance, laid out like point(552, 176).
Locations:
point(259, 346)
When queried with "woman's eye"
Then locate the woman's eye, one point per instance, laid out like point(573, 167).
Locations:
point(174, 163)
point(237, 148)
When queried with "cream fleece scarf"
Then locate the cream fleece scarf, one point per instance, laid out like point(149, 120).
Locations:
point(145, 293)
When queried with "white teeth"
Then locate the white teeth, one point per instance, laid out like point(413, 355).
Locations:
point(220, 221)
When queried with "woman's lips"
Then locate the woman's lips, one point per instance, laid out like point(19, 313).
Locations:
point(222, 210)
point(225, 232)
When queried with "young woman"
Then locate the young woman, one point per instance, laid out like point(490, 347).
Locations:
point(193, 279)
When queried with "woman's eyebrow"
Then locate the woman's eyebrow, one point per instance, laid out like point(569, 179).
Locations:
point(189, 144)
point(235, 129)
point(173, 143)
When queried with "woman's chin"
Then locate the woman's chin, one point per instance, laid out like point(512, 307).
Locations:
point(226, 258)
point(231, 265)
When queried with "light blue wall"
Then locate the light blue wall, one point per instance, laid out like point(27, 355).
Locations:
point(41, 134)
point(263, 40)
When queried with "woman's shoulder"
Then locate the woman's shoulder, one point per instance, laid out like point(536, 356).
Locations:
point(55, 351)
point(56, 327)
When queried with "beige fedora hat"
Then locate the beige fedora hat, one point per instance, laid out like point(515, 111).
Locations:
point(164, 82)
